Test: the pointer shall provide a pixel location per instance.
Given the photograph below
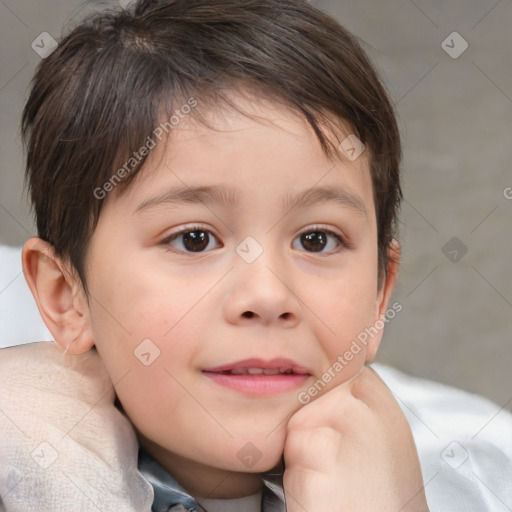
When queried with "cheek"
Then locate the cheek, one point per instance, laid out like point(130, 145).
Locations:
point(136, 301)
point(345, 303)
point(146, 329)
point(345, 309)
point(145, 333)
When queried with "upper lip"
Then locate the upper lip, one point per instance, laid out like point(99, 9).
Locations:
point(282, 364)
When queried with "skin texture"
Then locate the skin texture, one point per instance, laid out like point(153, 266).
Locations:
point(205, 309)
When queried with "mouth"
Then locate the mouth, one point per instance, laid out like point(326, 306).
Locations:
point(259, 377)
point(258, 371)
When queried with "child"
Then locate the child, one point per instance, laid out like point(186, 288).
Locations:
point(216, 188)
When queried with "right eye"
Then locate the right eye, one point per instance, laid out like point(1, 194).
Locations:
point(192, 240)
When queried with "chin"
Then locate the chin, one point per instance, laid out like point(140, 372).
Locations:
point(260, 455)
point(278, 463)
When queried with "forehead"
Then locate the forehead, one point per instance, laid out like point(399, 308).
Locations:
point(260, 145)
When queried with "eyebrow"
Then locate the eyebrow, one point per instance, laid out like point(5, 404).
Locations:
point(319, 195)
point(221, 194)
point(191, 195)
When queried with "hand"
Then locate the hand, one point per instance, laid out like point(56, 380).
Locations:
point(352, 450)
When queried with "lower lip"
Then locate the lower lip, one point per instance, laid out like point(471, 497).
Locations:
point(258, 385)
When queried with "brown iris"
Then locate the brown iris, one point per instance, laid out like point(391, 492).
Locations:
point(196, 241)
point(314, 241)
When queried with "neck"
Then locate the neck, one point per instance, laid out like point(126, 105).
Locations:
point(203, 480)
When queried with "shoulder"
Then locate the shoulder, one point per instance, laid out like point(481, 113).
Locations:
point(62, 439)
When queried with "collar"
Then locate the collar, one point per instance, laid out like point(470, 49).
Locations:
point(171, 497)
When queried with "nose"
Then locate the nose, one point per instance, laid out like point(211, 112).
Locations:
point(260, 294)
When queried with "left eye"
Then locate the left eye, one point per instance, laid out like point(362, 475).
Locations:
point(317, 241)
point(193, 240)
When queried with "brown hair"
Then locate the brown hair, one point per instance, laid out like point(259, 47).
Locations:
point(100, 95)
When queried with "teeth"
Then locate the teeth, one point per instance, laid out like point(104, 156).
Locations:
point(260, 371)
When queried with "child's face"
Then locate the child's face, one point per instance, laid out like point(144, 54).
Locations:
point(204, 303)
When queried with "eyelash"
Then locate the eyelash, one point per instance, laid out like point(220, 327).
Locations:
point(166, 241)
point(342, 243)
point(312, 229)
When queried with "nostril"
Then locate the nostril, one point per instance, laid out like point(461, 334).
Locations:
point(285, 316)
point(248, 314)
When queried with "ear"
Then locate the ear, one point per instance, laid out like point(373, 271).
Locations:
point(59, 295)
point(384, 292)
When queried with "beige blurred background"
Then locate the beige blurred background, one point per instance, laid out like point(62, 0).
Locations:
point(455, 109)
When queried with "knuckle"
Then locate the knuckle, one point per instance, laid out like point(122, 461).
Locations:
point(312, 449)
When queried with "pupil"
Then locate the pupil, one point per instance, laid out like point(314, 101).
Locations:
point(196, 241)
point(314, 241)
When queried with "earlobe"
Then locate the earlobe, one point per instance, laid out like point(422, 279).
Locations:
point(58, 295)
point(383, 297)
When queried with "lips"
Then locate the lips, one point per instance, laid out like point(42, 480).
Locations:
point(257, 377)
